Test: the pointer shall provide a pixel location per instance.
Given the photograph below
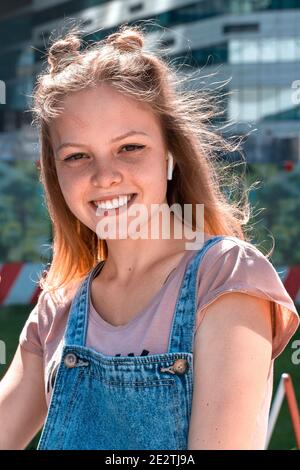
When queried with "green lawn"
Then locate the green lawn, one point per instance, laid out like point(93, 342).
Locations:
point(12, 320)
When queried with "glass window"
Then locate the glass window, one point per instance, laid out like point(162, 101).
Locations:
point(248, 104)
point(268, 50)
point(253, 104)
point(234, 105)
point(64, 9)
point(267, 101)
point(247, 6)
point(8, 63)
point(264, 50)
point(297, 48)
point(196, 11)
point(286, 49)
point(243, 51)
point(285, 99)
point(204, 56)
point(241, 28)
point(18, 91)
point(10, 7)
point(250, 51)
point(15, 29)
point(235, 51)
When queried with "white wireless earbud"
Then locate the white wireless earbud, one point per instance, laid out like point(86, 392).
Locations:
point(170, 165)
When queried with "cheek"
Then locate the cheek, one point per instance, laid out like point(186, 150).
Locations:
point(67, 179)
point(154, 169)
point(155, 181)
point(69, 188)
point(158, 173)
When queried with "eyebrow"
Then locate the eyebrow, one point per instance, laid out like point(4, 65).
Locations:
point(115, 139)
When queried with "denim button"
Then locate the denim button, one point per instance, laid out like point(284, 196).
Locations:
point(70, 360)
point(180, 366)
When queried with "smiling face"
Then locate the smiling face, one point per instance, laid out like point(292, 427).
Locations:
point(100, 164)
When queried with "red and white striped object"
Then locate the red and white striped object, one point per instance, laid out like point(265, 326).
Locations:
point(19, 282)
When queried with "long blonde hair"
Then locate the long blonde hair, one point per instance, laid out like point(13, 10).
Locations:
point(185, 116)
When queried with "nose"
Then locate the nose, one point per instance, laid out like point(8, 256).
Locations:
point(104, 174)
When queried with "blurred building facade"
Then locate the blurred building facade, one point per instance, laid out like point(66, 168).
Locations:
point(254, 44)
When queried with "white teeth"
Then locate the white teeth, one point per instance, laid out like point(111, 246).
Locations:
point(114, 203)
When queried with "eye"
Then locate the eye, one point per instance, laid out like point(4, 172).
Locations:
point(136, 147)
point(74, 157)
point(77, 156)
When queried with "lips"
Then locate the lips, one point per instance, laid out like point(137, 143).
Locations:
point(115, 202)
point(100, 210)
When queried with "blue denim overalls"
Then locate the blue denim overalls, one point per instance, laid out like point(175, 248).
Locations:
point(120, 403)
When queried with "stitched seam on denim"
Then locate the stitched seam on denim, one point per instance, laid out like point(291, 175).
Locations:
point(69, 331)
point(85, 306)
point(179, 327)
point(86, 302)
point(187, 402)
point(74, 325)
point(163, 359)
point(49, 424)
point(174, 414)
point(71, 404)
point(138, 384)
point(178, 302)
point(77, 331)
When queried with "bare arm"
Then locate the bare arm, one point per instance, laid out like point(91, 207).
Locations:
point(23, 405)
point(233, 348)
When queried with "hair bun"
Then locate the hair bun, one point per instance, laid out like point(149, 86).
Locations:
point(129, 39)
point(62, 52)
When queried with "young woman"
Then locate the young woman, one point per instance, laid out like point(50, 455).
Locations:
point(140, 343)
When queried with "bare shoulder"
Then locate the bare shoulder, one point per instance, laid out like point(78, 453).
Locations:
point(232, 357)
point(238, 324)
point(237, 309)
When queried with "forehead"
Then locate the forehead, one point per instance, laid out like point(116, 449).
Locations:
point(104, 111)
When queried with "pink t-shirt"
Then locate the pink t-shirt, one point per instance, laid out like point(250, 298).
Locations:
point(231, 265)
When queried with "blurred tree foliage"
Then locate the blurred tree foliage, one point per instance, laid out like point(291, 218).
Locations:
point(23, 218)
point(276, 208)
